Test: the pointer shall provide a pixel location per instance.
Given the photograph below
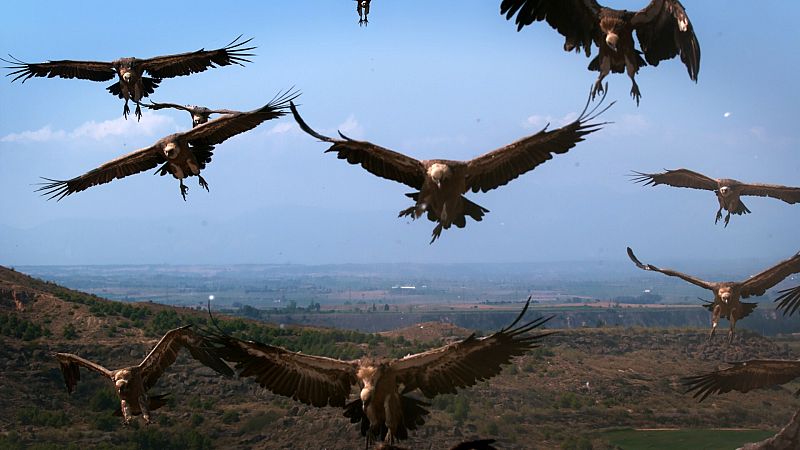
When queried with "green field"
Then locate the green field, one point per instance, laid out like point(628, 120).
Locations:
point(694, 439)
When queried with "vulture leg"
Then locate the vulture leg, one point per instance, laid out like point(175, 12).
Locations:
point(630, 67)
point(143, 401)
point(605, 69)
point(126, 110)
point(126, 412)
point(719, 215)
point(733, 324)
point(727, 219)
point(437, 231)
point(715, 320)
point(138, 111)
point(184, 189)
point(203, 183)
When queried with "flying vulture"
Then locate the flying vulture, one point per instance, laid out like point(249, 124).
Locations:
point(441, 183)
point(132, 383)
point(132, 84)
point(728, 191)
point(362, 6)
point(728, 294)
point(789, 300)
point(480, 444)
point(181, 154)
point(384, 409)
point(743, 377)
point(662, 27)
point(200, 114)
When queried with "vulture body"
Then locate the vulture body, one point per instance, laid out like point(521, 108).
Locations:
point(200, 114)
point(362, 6)
point(132, 383)
point(728, 294)
point(743, 377)
point(132, 83)
point(441, 183)
point(182, 154)
point(662, 27)
point(383, 409)
point(729, 192)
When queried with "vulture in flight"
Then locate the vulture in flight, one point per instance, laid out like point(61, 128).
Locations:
point(132, 83)
point(789, 300)
point(383, 409)
point(728, 191)
point(441, 183)
point(181, 154)
point(728, 294)
point(132, 383)
point(662, 27)
point(743, 377)
point(200, 114)
point(362, 6)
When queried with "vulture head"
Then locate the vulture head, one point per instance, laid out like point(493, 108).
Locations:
point(121, 382)
point(369, 375)
point(612, 39)
point(724, 190)
point(439, 173)
point(725, 294)
point(171, 150)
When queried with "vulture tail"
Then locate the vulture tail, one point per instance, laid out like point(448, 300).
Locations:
point(115, 90)
point(473, 210)
point(740, 209)
point(149, 85)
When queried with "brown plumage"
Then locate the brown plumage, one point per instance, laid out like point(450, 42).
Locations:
point(441, 183)
point(182, 154)
point(200, 114)
point(743, 377)
point(728, 191)
point(383, 409)
point(662, 27)
point(362, 6)
point(479, 444)
point(728, 294)
point(132, 84)
point(132, 383)
point(789, 300)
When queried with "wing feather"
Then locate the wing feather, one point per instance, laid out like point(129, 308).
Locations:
point(758, 284)
point(85, 70)
point(789, 300)
point(70, 367)
point(166, 352)
point(464, 363)
point(788, 194)
point(684, 178)
point(672, 273)
point(498, 167)
point(193, 62)
point(156, 106)
point(664, 31)
point(743, 377)
point(376, 160)
point(577, 20)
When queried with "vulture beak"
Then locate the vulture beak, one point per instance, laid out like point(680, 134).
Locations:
point(127, 77)
point(171, 150)
point(611, 40)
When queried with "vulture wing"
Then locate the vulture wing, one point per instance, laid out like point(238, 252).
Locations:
point(377, 160)
point(85, 70)
point(134, 162)
point(743, 377)
point(70, 368)
point(480, 444)
point(498, 167)
point(166, 351)
point(577, 20)
point(789, 300)
point(464, 363)
point(220, 129)
point(678, 178)
point(758, 284)
point(664, 31)
point(672, 273)
point(199, 61)
point(156, 106)
point(790, 195)
point(313, 380)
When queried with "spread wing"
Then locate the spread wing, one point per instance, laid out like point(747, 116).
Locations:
point(678, 178)
point(70, 368)
point(576, 20)
point(664, 31)
point(156, 106)
point(464, 363)
point(166, 351)
point(199, 61)
point(758, 284)
point(672, 273)
point(498, 167)
point(789, 300)
point(743, 377)
point(377, 160)
point(788, 194)
point(85, 70)
point(313, 380)
point(134, 162)
point(220, 129)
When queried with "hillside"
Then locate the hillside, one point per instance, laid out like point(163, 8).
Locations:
point(595, 379)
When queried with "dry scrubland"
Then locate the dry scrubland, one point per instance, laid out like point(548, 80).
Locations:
point(581, 390)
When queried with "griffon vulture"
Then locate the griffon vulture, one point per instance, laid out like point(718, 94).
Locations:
point(362, 6)
point(662, 27)
point(200, 114)
point(728, 294)
point(181, 154)
point(789, 300)
point(132, 83)
point(743, 377)
point(384, 409)
point(132, 383)
point(728, 191)
point(441, 183)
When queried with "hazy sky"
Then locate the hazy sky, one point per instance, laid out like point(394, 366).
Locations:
point(448, 79)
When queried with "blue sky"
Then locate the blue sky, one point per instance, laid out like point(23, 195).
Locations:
point(426, 78)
